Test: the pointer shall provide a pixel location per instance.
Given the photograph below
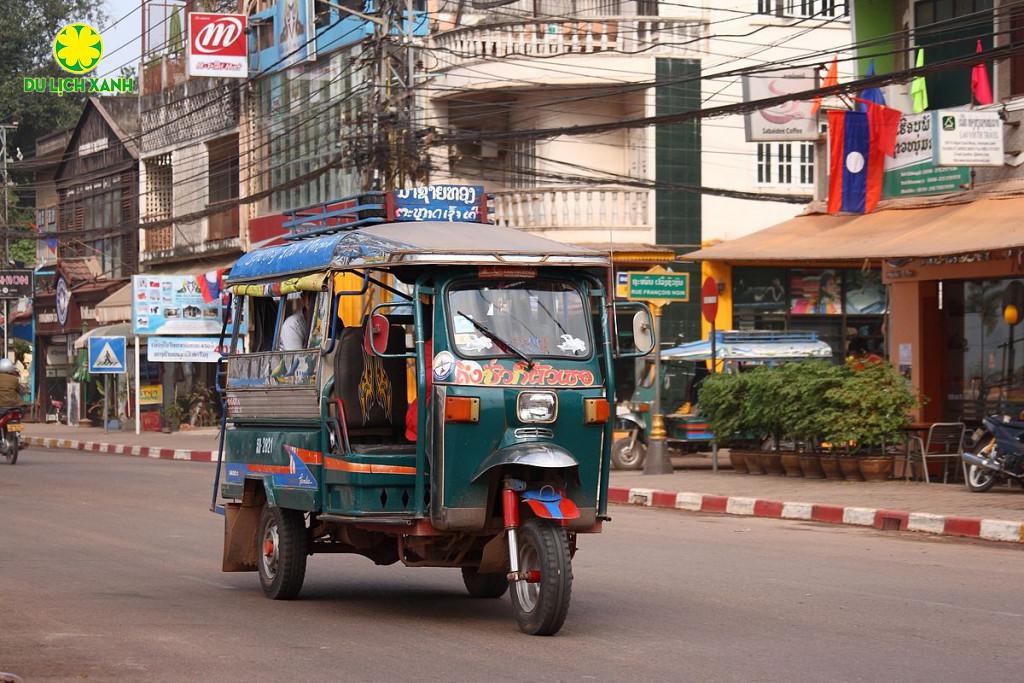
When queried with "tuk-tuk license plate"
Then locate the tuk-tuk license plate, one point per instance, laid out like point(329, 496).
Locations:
point(14, 427)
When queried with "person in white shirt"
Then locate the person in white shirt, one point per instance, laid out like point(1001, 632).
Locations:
point(294, 329)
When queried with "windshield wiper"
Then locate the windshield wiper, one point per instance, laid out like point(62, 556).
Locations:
point(501, 342)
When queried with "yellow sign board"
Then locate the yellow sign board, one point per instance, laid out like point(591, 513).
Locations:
point(151, 394)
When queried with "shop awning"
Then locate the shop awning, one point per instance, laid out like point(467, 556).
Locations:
point(117, 307)
point(116, 330)
point(981, 225)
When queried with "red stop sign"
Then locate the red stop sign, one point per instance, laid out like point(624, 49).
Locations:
point(709, 299)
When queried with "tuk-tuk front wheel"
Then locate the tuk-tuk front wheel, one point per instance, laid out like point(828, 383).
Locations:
point(541, 602)
point(484, 585)
point(282, 551)
point(629, 453)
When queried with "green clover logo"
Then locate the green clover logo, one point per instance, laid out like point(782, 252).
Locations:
point(78, 48)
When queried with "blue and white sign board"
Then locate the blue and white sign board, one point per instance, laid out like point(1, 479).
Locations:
point(107, 356)
point(189, 305)
point(185, 349)
point(439, 203)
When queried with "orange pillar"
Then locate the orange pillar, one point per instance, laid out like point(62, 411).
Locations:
point(915, 335)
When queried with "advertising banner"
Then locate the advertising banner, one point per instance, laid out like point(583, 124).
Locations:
point(295, 32)
point(184, 349)
point(177, 304)
point(787, 121)
point(912, 171)
point(217, 45)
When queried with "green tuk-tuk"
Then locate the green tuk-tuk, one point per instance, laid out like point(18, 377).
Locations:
point(682, 370)
point(500, 459)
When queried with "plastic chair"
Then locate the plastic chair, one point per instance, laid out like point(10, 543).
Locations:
point(944, 440)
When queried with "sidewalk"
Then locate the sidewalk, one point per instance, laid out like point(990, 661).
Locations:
point(895, 505)
point(197, 444)
point(898, 505)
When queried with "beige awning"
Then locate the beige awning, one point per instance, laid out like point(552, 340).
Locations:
point(980, 225)
point(117, 307)
point(116, 330)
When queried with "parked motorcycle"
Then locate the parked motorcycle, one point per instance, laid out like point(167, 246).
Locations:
point(10, 435)
point(997, 455)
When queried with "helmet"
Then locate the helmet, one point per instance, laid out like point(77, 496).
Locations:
point(7, 366)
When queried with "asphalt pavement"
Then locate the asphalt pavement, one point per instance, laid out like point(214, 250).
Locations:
point(109, 570)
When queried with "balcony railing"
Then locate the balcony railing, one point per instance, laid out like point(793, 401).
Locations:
point(536, 37)
point(590, 208)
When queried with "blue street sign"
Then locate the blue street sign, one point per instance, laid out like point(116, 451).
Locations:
point(107, 355)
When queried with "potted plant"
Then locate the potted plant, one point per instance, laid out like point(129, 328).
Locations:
point(765, 414)
point(810, 411)
point(722, 401)
point(871, 406)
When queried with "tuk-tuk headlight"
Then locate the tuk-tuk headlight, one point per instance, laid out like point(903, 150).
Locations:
point(537, 406)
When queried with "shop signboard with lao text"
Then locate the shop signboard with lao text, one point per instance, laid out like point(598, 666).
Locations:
point(462, 203)
point(913, 170)
point(189, 305)
point(186, 349)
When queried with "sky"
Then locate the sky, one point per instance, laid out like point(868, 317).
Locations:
point(121, 43)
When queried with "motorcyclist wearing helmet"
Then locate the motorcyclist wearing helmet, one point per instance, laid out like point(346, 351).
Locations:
point(10, 386)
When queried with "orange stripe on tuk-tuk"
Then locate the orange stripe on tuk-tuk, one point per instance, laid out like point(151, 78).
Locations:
point(270, 469)
point(367, 468)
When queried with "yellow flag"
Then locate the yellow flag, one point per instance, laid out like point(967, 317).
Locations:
point(918, 88)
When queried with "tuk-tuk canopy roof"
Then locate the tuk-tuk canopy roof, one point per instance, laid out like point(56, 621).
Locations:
point(410, 243)
point(753, 346)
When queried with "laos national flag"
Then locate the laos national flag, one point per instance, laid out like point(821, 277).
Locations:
point(210, 285)
point(859, 143)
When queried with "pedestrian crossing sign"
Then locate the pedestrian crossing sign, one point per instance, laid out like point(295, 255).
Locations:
point(107, 355)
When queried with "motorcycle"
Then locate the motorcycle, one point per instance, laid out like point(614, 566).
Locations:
point(10, 435)
point(997, 455)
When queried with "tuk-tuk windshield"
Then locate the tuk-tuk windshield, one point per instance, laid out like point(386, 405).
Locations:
point(536, 318)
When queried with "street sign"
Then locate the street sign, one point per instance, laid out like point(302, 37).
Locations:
point(709, 299)
point(659, 286)
point(107, 356)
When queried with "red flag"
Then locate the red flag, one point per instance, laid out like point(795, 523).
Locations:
point(980, 86)
point(831, 78)
point(884, 125)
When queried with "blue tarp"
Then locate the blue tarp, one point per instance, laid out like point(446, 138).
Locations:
point(288, 259)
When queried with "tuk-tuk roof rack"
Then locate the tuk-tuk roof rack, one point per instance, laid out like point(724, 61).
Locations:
point(454, 203)
point(746, 336)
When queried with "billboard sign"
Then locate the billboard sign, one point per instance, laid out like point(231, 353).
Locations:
point(791, 120)
point(15, 284)
point(295, 32)
point(177, 305)
point(217, 45)
point(912, 171)
point(967, 138)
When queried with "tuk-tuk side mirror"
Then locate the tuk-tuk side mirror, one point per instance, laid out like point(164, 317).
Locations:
point(375, 339)
point(642, 342)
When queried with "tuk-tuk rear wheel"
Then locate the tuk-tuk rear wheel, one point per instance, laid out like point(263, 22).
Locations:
point(484, 585)
point(626, 458)
point(282, 550)
point(540, 607)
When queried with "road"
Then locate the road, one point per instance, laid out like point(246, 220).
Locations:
point(109, 570)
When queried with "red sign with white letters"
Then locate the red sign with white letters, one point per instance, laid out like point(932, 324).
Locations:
point(217, 45)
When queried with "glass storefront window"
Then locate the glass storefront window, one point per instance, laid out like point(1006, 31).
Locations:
point(984, 365)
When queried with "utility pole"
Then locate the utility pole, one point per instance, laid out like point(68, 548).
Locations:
point(4, 127)
point(392, 156)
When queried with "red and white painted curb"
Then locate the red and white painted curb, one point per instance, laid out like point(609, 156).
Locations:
point(895, 520)
point(122, 449)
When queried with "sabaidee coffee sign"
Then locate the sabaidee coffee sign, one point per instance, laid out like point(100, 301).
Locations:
point(15, 284)
point(217, 45)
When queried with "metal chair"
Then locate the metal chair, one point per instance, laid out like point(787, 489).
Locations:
point(944, 440)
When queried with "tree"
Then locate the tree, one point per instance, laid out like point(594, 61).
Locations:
point(27, 31)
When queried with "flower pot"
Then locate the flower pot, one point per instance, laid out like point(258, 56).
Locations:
point(772, 463)
point(810, 463)
point(876, 469)
point(850, 468)
point(738, 460)
point(791, 465)
point(830, 466)
point(754, 464)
